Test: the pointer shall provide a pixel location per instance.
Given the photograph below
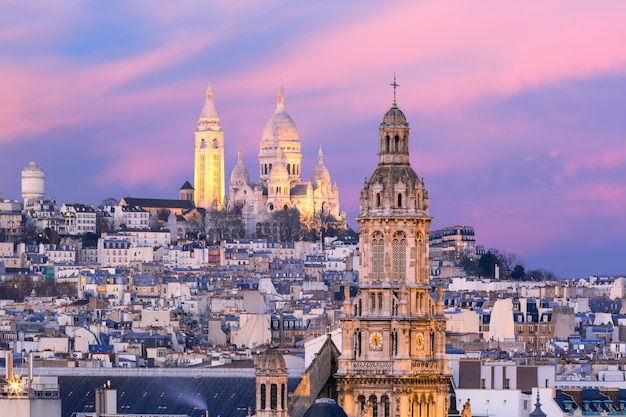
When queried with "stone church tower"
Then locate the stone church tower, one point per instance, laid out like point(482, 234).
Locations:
point(209, 157)
point(271, 384)
point(393, 355)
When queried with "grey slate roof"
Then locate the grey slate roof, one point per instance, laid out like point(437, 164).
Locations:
point(225, 396)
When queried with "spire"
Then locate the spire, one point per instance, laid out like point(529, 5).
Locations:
point(240, 156)
point(280, 102)
point(320, 156)
point(538, 412)
point(394, 85)
point(209, 119)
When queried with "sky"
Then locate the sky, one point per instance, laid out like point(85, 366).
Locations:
point(517, 109)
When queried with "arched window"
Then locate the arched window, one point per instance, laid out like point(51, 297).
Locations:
point(282, 396)
point(263, 395)
point(398, 248)
point(289, 169)
point(274, 397)
point(399, 199)
point(378, 257)
point(374, 405)
point(387, 143)
point(361, 401)
point(397, 143)
point(384, 403)
point(377, 199)
point(214, 143)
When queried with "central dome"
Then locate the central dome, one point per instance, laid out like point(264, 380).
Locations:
point(271, 361)
point(280, 127)
point(394, 117)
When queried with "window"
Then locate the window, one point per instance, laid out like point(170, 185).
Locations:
point(282, 397)
point(378, 257)
point(398, 248)
point(274, 397)
point(263, 395)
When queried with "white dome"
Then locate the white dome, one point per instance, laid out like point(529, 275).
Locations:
point(239, 175)
point(280, 127)
point(279, 173)
point(32, 169)
point(320, 172)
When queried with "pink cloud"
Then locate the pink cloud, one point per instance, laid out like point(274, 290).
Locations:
point(601, 160)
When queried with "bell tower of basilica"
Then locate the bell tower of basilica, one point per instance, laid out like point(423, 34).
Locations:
point(393, 355)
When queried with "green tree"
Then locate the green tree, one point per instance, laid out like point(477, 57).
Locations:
point(487, 265)
point(518, 272)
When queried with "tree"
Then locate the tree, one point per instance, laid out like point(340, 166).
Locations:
point(225, 224)
point(506, 262)
point(540, 275)
point(518, 272)
point(108, 202)
point(487, 265)
point(469, 264)
point(288, 223)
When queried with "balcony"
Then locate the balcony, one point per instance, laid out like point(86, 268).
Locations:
point(371, 367)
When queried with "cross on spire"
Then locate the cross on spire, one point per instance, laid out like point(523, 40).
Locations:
point(394, 85)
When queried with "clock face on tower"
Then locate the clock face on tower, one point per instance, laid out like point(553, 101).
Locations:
point(376, 341)
point(419, 340)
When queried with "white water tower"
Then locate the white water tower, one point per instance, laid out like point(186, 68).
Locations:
point(33, 178)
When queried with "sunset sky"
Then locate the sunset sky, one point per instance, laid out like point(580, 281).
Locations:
point(517, 109)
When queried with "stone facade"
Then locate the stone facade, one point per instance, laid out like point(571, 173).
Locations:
point(209, 157)
point(393, 354)
point(280, 185)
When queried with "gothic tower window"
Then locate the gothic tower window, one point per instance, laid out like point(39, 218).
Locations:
point(387, 143)
point(373, 299)
point(374, 404)
point(263, 395)
point(378, 257)
point(274, 397)
point(397, 143)
point(361, 401)
point(398, 248)
point(377, 199)
point(384, 403)
point(282, 397)
point(399, 199)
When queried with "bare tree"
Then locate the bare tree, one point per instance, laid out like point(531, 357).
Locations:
point(225, 224)
point(288, 223)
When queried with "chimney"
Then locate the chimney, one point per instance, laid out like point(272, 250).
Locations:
point(106, 399)
point(8, 357)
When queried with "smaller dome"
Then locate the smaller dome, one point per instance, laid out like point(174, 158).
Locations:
point(239, 174)
point(279, 170)
point(279, 173)
point(32, 166)
point(271, 361)
point(325, 407)
point(394, 117)
point(320, 172)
